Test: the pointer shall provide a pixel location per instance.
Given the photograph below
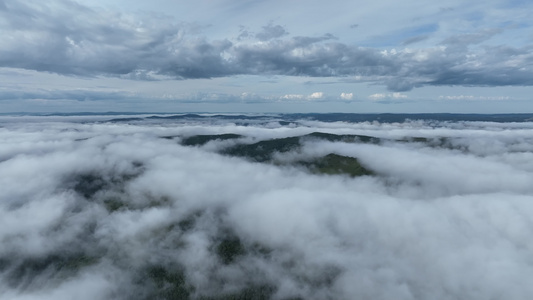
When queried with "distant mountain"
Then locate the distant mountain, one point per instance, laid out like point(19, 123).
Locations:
point(399, 118)
point(287, 119)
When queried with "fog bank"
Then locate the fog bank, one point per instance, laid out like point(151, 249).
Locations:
point(105, 210)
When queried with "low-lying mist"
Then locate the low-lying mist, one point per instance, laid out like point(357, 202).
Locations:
point(266, 210)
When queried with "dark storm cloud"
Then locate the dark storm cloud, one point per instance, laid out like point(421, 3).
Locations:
point(67, 38)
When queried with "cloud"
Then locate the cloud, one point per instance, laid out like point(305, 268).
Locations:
point(312, 96)
point(346, 96)
point(464, 40)
point(293, 96)
point(103, 44)
point(471, 97)
point(415, 39)
point(316, 95)
point(380, 96)
point(170, 219)
point(67, 38)
point(377, 96)
point(271, 31)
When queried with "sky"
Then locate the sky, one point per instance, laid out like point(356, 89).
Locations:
point(445, 217)
point(266, 56)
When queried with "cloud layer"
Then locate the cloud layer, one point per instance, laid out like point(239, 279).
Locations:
point(68, 38)
point(123, 211)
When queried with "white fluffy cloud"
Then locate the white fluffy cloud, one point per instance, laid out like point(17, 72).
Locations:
point(316, 95)
point(115, 211)
point(346, 96)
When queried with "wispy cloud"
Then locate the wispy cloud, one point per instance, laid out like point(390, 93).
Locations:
point(472, 97)
point(387, 96)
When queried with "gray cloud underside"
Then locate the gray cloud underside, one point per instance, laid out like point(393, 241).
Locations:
point(72, 39)
point(114, 211)
point(271, 31)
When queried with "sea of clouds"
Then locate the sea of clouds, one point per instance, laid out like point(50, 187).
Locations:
point(101, 210)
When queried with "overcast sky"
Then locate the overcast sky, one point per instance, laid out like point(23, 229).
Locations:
point(266, 56)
